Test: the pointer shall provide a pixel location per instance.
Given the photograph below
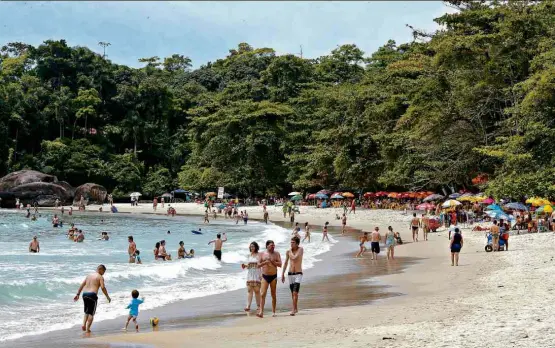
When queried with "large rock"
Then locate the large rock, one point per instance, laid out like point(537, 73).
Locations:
point(22, 177)
point(70, 189)
point(44, 193)
point(92, 193)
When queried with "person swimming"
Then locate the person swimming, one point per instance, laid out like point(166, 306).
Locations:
point(191, 254)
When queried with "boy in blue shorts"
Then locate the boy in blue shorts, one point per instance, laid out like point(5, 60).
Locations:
point(134, 309)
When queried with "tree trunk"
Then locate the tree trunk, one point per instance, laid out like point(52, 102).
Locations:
point(15, 145)
point(135, 144)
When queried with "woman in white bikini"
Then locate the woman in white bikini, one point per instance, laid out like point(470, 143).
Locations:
point(254, 276)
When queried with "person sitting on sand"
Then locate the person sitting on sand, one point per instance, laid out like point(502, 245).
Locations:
point(34, 246)
point(181, 253)
point(363, 239)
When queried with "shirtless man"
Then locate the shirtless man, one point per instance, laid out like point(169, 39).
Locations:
point(90, 295)
point(34, 246)
point(218, 243)
point(414, 223)
point(79, 238)
point(344, 223)
point(269, 261)
point(266, 216)
point(425, 225)
point(375, 238)
point(295, 274)
point(131, 249)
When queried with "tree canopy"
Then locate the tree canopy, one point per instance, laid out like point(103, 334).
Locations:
point(476, 97)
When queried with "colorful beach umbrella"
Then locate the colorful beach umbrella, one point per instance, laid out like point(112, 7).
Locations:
point(450, 203)
point(294, 193)
point(369, 194)
point(425, 206)
point(297, 198)
point(381, 194)
point(336, 196)
point(433, 197)
point(135, 194)
point(211, 194)
point(545, 209)
point(347, 194)
point(488, 200)
point(325, 192)
point(493, 207)
point(516, 206)
point(321, 196)
point(455, 195)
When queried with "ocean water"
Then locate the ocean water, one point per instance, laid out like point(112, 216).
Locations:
point(39, 288)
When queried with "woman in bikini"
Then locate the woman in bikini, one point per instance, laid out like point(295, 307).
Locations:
point(306, 232)
point(254, 276)
point(325, 232)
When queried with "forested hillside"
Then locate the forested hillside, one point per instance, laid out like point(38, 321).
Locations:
point(475, 98)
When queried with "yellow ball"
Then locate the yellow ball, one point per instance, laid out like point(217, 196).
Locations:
point(154, 321)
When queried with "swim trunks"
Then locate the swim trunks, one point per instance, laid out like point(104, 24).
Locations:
point(375, 246)
point(218, 254)
point(456, 248)
point(33, 250)
point(295, 279)
point(415, 228)
point(89, 300)
point(269, 278)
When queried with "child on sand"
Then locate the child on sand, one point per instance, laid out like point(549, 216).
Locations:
point(133, 307)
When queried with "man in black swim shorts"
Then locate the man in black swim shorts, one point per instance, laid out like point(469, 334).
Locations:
point(218, 243)
point(90, 295)
point(269, 261)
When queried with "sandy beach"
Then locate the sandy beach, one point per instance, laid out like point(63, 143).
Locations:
point(442, 306)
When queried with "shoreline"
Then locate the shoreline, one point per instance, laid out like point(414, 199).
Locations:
point(106, 327)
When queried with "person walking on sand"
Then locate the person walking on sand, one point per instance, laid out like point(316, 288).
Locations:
point(425, 225)
point(34, 246)
point(253, 277)
point(325, 232)
point(90, 295)
point(306, 232)
point(218, 243)
point(343, 223)
point(353, 207)
point(390, 243)
point(495, 235)
point(295, 274)
point(414, 223)
point(375, 239)
point(133, 307)
point(456, 245)
point(363, 239)
point(131, 249)
point(269, 261)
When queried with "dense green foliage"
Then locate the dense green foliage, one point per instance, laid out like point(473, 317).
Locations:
point(476, 97)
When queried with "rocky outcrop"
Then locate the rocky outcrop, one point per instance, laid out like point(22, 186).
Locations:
point(22, 177)
point(44, 193)
point(31, 186)
point(92, 194)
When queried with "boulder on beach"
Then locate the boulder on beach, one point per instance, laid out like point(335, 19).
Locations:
point(22, 177)
point(44, 193)
point(70, 189)
point(92, 194)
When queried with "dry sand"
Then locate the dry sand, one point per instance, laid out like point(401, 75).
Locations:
point(492, 299)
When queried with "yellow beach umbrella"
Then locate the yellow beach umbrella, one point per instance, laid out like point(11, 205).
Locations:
point(347, 194)
point(547, 209)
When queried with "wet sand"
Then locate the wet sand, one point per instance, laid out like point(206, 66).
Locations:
point(337, 281)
